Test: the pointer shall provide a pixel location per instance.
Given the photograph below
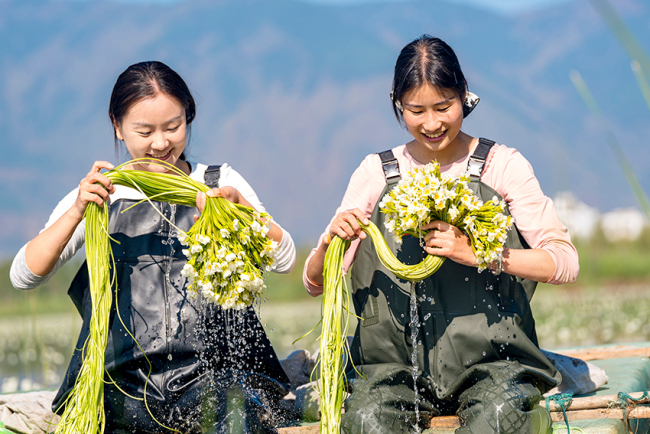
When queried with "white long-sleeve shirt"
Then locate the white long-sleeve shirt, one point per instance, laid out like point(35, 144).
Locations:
point(23, 278)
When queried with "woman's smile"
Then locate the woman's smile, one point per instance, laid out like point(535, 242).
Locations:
point(434, 137)
point(158, 156)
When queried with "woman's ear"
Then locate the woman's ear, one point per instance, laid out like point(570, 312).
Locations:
point(118, 133)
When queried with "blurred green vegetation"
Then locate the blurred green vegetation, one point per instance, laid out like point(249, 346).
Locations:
point(49, 298)
point(52, 297)
point(602, 264)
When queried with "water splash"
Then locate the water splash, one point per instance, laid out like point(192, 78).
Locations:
point(499, 407)
point(415, 328)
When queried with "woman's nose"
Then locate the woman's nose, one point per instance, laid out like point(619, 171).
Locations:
point(432, 122)
point(159, 141)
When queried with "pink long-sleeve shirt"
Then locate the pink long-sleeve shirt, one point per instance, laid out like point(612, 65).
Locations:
point(507, 172)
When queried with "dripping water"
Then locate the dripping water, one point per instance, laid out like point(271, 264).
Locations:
point(171, 235)
point(499, 407)
point(415, 328)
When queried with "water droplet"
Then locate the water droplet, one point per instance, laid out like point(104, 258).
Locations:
point(467, 279)
point(484, 353)
point(169, 356)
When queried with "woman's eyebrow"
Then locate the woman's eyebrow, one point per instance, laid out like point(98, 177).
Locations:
point(141, 124)
point(448, 100)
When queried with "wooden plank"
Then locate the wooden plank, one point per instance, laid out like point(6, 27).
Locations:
point(617, 352)
point(313, 429)
point(445, 422)
point(599, 413)
point(602, 413)
point(591, 402)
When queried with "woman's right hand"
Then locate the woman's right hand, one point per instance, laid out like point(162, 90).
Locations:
point(346, 225)
point(95, 187)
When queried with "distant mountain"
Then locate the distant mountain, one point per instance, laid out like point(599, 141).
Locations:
point(293, 95)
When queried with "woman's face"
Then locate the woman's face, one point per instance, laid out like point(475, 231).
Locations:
point(433, 117)
point(155, 128)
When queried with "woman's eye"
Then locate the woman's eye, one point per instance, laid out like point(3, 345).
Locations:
point(171, 130)
point(416, 112)
point(444, 109)
point(144, 133)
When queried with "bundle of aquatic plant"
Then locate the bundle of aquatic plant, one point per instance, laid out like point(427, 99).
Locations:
point(424, 195)
point(228, 250)
point(334, 350)
point(84, 405)
point(333, 344)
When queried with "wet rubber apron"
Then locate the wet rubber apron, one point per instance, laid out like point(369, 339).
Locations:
point(203, 358)
point(467, 319)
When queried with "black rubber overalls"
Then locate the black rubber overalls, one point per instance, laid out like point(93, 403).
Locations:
point(477, 350)
point(212, 370)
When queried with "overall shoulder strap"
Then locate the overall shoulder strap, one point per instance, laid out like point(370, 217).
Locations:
point(477, 159)
point(211, 176)
point(390, 167)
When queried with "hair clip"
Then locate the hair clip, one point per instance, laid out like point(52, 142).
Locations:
point(470, 102)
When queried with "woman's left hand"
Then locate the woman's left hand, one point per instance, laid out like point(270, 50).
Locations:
point(446, 240)
point(231, 194)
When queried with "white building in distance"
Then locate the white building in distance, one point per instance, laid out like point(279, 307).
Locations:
point(621, 224)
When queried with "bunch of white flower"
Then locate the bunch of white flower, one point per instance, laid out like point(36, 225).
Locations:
point(424, 195)
point(227, 255)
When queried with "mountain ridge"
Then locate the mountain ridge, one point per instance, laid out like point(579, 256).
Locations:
point(293, 95)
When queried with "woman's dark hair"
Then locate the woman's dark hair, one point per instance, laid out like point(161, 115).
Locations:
point(145, 80)
point(426, 60)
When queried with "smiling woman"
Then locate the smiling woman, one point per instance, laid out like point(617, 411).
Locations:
point(171, 360)
point(470, 346)
point(152, 110)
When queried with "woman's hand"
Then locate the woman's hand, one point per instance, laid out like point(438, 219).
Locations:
point(45, 249)
point(346, 225)
point(95, 187)
point(446, 240)
point(231, 194)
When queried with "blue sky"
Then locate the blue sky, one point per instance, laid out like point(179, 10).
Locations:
point(506, 7)
point(500, 6)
